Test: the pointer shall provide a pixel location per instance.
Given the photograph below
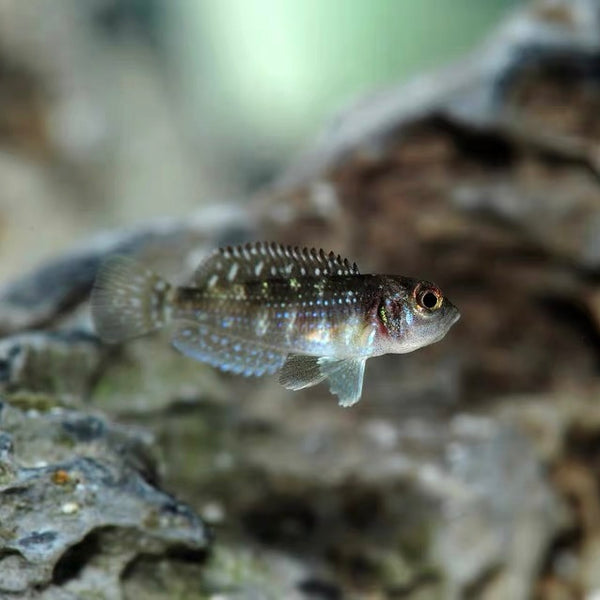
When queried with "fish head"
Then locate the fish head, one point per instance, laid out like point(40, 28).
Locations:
point(414, 313)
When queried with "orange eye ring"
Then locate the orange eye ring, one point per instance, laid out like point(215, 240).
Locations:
point(428, 298)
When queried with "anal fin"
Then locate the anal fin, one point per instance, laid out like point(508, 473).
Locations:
point(224, 350)
point(345, 375)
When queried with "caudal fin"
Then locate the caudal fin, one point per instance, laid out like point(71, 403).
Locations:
point(128, 300)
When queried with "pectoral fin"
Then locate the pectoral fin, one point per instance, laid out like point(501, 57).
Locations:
point(345, 378)
point(300, 372)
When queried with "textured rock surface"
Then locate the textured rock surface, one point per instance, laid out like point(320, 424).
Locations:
point(533, 71)
point(77, 496)
point(484, 180)
point(62, 363)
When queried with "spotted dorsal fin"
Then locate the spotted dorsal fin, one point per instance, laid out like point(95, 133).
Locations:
point(263, 260)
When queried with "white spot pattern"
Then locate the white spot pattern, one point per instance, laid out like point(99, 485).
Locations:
point(225, 351)
point(233, 271)
point(248, 263)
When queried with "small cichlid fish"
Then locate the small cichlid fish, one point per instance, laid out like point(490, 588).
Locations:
point(262, 308)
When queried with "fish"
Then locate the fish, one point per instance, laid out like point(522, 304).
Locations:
point(262, 308)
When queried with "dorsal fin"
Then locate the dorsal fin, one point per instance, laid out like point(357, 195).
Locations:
point(267, 260)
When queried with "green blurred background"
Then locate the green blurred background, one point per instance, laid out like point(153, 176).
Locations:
point(116, 111)
point(272, 71)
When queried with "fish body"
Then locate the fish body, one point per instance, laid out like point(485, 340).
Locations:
point(262, 308)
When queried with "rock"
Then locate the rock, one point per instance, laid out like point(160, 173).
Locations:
point(79, 502)
point(549, 47)
point(483, 179)
point(55, 363)
point(421, 503)
point(501, 513)
point(58, 287)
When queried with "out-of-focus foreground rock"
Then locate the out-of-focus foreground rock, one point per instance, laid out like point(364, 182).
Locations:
point(469, 469)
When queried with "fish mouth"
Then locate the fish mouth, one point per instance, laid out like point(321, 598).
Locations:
point(447, 323)
point(451, 314)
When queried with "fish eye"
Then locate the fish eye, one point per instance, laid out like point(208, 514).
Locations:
point(429, 298)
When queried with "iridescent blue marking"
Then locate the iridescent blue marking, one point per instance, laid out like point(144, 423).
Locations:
point(408, 316)
point(202, 344)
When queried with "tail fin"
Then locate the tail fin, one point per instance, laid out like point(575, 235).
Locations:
point(128, 300)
